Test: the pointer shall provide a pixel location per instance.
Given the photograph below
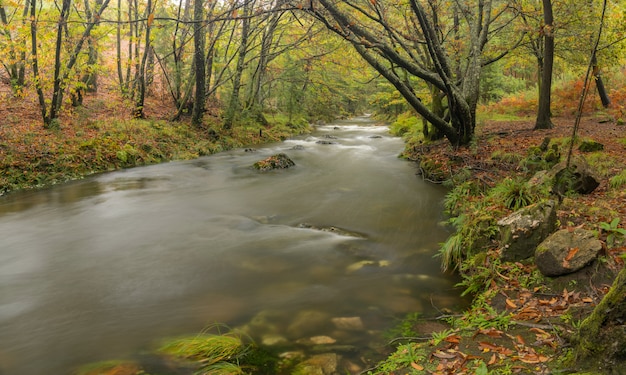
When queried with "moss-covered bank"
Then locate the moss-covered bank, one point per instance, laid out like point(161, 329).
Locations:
point(521, 321)
point(31, 156)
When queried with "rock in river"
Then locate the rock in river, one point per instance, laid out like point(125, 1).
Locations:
point(278, 161)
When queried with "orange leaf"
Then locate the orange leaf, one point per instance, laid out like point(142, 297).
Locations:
point(510, 304)
point(491, 332)
point(150, 19)
point(587, 300)
point(453, 339)
point(539, 331)
point(520, 340)
point(417, 367)
point(492, 360)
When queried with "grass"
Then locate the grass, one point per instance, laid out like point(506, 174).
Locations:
point(77, 150)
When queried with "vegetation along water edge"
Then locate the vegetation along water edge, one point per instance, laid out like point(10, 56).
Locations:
point(517, 107)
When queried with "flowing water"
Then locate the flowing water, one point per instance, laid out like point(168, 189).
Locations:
point(104, 267)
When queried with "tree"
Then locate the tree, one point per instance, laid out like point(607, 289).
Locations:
point(199, 61)
point(63, 69)
point(16, 64)
point(234, 104)
point(543, 112)
point(412, 39)
point(140, 70)
point(601, 334)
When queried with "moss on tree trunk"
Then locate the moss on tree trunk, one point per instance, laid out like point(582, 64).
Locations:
point(602, 335)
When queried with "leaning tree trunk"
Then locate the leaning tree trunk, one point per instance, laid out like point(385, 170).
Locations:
point(543, 112)
point(603, 333)
point(604, 96)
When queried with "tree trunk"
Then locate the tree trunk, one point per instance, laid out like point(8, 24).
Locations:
point(603, 333)
point(543, 111)
point(15, 66)
point(56, 89)
point(141, 67)
point(35, 62)
point(234, 104)
point(90, 79)
point(198, 42)
point(604, 96)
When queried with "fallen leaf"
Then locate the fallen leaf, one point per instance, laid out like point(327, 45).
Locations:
point(491, 332)
point(587, 300)
point(453, 339)
point(510, 304)
point(492, 360)
point(416, 366)
point(443, 355)
point(539, 331)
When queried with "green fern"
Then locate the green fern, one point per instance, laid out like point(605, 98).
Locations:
point(618, 180)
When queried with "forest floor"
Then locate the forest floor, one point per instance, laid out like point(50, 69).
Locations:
point(522, 322)
point(535, 322)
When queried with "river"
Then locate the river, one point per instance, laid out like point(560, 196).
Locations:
point(103, 267)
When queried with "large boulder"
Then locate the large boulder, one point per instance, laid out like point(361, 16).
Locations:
point(579, 177)
point(567, 251)
point(523, 230)
point(278, 161)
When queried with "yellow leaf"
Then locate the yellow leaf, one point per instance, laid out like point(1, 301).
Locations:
point(150, 19)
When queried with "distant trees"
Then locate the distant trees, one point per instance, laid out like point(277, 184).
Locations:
point(63, 68)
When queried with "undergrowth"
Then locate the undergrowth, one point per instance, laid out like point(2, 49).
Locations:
point(474, 214)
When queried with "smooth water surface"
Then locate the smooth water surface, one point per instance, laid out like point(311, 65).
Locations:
point(102, 268)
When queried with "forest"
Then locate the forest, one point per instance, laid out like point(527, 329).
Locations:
point(474, 87)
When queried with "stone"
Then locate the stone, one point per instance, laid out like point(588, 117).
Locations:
point(567, 251)
point(321, 364)
point(308, 322)
point(353, 323)
point(317, 340)
point(273, 339)
point(579, 177)
point(590, 146)
point(278, 161)
point(523, 230)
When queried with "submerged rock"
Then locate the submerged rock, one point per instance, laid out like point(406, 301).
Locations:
point(308, 322)
point(273, 340)
point(278, 161)
point(353, 323)
point(336, 230)
point(317, 340)
point(354, 267)
point(321, 364)
point(567, 251)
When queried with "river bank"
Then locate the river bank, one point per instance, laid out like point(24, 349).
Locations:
point(520, 321)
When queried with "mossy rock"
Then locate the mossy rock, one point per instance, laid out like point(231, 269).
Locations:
point(590, 146)
point(278, 161)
